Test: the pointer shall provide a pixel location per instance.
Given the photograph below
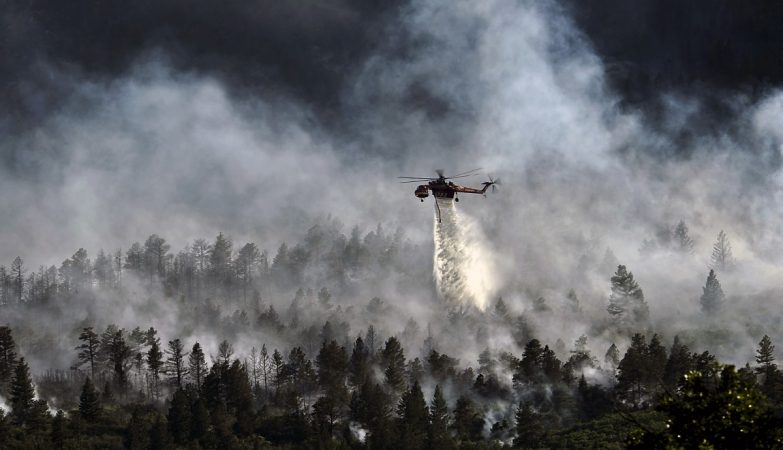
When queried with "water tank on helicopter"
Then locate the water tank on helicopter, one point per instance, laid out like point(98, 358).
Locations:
point(421, 191)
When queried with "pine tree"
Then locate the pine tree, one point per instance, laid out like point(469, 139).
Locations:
point(266, 367)
point(175, 362)
point(681, 241)
point(89, 404)
point(7, 356)
point(679, 363)
point(713, 297)
point(118, 357)
point(656, 362)
point(88, 349)
point(17, 278)
point(246, 265)
point(631, 373)
point(104, 271)
point(765, 358)
point(278, 365)
point(332, 364)
point(370, 337)
point(22, 393)
point(154, 360)
point(393, 360)
point(413, 418)
point(531, 363)
point(626, 302)
point(220, 259)
point(530, 427)
point(156, 256)
point(197, 365)
point(722, 259)
point(359, 364)
point(439, 437)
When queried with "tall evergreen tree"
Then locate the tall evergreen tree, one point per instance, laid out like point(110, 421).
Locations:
point(119, 355)
point(438, 436)
point(681, 240)
point(678, 364)
point(22, 393)
point(7, 356)
point(197, 365)
point(358, 364)
point(713, 297)
point(413, 418)
point(277, 366)
point(220, 260)
point(531, 364)
point(239, 398)
point(246, 265)
point(104, 270)
point(631, 373)
point(175, 362)
point(17, 279)
point(765, 358)
point(393, 360)
point(332, 364)
point(370, 341)
point(656, 362)
point(89, 403)
point(722, 259)
point(626, 302)
point(612, 356)
point(88, 349)
point(265, 365)
point(154, 360)
point(156, 256)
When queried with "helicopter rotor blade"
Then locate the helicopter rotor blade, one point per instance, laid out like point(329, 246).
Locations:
point(417, 178)
point(414, 181)
point(461, 176)
point(439, 172)
point(465, 173)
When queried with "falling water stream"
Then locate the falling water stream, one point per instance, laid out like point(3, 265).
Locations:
point(462, 264)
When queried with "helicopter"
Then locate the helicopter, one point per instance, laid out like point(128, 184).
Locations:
point(442, 188)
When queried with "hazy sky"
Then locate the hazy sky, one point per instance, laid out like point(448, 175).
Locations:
point(188, 118)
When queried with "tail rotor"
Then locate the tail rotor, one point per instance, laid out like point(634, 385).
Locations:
point(492, 182)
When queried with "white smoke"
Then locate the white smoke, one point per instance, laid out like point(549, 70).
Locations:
point(463, 267)
point(358, 431)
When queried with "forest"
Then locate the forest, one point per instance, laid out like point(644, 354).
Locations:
point(199, 349)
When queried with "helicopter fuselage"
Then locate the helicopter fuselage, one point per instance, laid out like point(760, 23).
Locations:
point(445, 189)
